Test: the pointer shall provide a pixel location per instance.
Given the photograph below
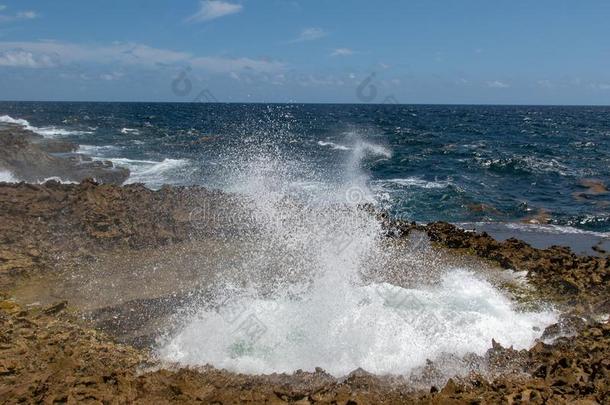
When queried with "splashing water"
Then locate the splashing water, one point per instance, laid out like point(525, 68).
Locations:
point(299, 298)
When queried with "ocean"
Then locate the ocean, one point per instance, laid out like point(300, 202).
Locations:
point(462, 164)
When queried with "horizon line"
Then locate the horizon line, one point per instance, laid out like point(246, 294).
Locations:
point(306, 103)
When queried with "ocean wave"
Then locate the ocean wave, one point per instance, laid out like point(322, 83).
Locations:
point(555, 229)
point(334, 145)
point(528, 164)
point(130, 131)
point(57, 179)
point(153, 173)
point(17, 121)
point(7, 177)
point(51, 132)
point(96, 150)
point(47, 132)
point(324, 251)
point(589, 220)
point(583, 144)
point(388, 329)
point(413, 182)
point(537, 228)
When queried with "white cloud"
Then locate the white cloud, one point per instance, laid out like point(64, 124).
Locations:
point(54, 53)
point(212, 9)
point(22, 15)
point(310, 34)
point(123, 53)
point(545, 83)
point(497, 84)
point(2, 7)
point(315, 80)
point(342, 52)
point(222, 64)
point(601, 86)
point(23, 58)
point(27, 15)
point(111, 76)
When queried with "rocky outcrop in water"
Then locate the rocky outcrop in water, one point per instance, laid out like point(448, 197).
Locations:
point(33, 158)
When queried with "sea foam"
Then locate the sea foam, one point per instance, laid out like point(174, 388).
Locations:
point(301, 295)
point(7, 177)
point(47, 132)
point(152, 173)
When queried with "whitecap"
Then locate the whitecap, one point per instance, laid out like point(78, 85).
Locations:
point(16, 121)
point(334, 145)
point(413, 182)
point(555, 229)
point(97, 150)
point(47, 132)
point(130, 131)
point(57, 179)
point(51, 132)
point(7, 177)
point(153, 173)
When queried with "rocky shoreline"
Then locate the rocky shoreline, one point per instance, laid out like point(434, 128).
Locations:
point(33, 158)
point(52, 350)
point(50, 353)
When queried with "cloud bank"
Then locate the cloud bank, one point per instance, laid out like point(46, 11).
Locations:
point(48, 54)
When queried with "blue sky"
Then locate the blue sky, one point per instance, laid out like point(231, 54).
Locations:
point(420, 51)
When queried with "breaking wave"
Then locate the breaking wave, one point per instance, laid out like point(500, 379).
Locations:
point(412, 182)
point(154, 174)
point(47, 132)
point(317, 284)
point(7, 177)
point(333, 145)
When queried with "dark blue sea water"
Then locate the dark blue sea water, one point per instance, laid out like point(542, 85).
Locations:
point(454, 163)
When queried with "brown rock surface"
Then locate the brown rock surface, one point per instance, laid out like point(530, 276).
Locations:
point(45, 357)
point(40, 224)
point(49, 355)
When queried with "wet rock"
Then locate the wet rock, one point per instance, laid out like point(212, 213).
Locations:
point(567, 326)
point(31, 158)
point(557, 273)
point(56, 308)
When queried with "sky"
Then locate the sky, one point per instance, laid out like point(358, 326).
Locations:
point(307, 51)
